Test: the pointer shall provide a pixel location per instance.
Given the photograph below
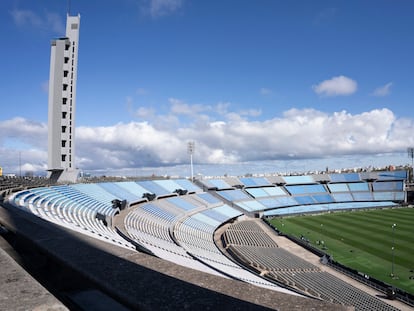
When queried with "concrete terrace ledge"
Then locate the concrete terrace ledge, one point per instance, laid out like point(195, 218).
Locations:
point(142, 282)
point(20, 291)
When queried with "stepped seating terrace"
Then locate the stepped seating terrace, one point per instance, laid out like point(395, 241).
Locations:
point(120, 192)
point(388, 186)
point(133, 187)
point(208, 198)
point(329, 288)
point(188, 185)
point(10, 184)
point(261, 192)
point(302, 209)
point(70, 209)
point(392, 175)
point(247, 233)
point(196, 237)
point(304, 190)
point(254, 181)
point(233, 195)
point(288, 269)
point(346, 177)
point(191, 241)
point(181, 228)
point(216, 184)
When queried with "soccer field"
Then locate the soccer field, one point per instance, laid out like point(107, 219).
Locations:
point(363, 240)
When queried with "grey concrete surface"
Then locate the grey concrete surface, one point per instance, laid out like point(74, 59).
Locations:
point(20, 291)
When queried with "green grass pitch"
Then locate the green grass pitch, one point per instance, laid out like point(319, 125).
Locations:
point(363, 240)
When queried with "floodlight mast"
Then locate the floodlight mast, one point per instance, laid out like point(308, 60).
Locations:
point(410, 152)
point(190, 149)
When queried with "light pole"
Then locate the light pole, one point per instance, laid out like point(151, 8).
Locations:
point(190, 149)
point(410, 152)
point(20, 164)
point(392, 251)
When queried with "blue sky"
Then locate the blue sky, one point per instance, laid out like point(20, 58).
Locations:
point(246, 80)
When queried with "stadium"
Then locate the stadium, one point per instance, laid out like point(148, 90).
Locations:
point(205, 243)
point(212, 226)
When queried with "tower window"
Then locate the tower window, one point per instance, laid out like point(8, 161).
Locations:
point(74, 26)
point(65, 73)
point(64, 100)
point(66, 60)
point(63, 129)
point(64, 113)
point(65, 87)
point(63, 157)
point(63, 143)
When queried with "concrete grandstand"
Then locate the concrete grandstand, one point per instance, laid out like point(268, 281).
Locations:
point(211, 227)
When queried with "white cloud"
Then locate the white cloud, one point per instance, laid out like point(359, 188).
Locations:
point(141, 91)
point(305, 133)
point(159, 8)
point(265, 91)
point(54, 21)
point(145, 113)
point(251, 112)
point(23, 146)
point(23, 132)
point(16, 161)
point(336, 86)
point(141, 112)
point(382, 90)
point(222, 108)
point(27, 18)
point(180, 107)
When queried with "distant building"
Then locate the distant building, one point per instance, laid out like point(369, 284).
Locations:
point(62, 103)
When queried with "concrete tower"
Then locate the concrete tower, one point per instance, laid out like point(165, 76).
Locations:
point(62, 103)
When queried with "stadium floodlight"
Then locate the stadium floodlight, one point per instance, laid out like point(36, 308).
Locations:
point(392, 251)
point(20, 164)
point(410, 152)
point(190, 150)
